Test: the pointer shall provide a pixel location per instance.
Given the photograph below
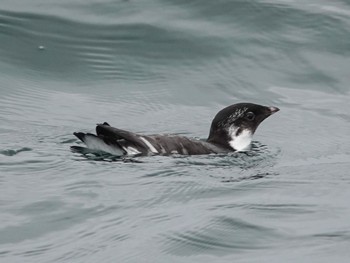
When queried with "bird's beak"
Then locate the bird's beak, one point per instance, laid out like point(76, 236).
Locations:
point(273, 109)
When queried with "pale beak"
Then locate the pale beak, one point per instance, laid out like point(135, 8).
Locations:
point(273, 109)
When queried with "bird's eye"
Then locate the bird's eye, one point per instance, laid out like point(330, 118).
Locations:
point(250, 116)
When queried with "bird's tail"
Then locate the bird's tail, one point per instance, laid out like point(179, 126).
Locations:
point(100, 143)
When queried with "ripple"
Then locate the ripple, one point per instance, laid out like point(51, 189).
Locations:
point(259, 156)
point(221, 236)
point(165, 173)
point(119, 52)
point(14, 152)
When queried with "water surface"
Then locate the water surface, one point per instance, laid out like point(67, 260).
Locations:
point(168, 67)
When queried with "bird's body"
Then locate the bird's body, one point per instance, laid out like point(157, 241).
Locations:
point(231, 130)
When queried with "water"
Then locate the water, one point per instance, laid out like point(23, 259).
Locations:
point(168, 67)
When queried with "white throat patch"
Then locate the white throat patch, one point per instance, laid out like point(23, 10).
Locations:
point(242, 141)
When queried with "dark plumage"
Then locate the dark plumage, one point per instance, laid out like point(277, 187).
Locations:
point(231, 130)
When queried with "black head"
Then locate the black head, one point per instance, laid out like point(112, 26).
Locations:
point(235, 120)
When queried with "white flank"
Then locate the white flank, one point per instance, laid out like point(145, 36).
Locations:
point(149, 145)
point(131, 150)
point(95, 143)
point(163, 151)
point(242, 141)
point(183, 149)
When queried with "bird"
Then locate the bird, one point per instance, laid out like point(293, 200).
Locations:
point(231, 130)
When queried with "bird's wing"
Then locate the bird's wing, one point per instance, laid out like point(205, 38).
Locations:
point(173, 144)
point(124, 138)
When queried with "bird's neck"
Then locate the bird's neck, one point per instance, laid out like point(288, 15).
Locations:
point(240, 140)
point(232, 138)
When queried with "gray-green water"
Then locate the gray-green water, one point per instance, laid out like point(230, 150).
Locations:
point(168, 66)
